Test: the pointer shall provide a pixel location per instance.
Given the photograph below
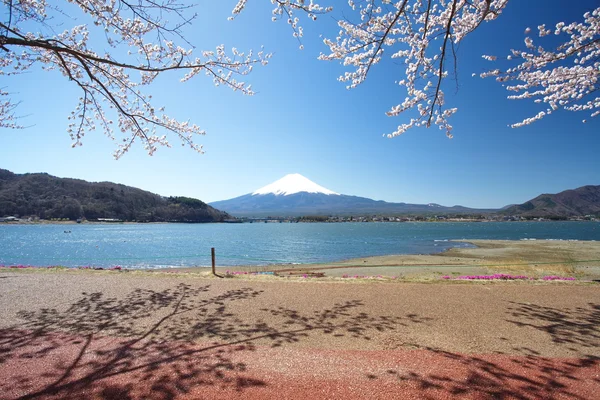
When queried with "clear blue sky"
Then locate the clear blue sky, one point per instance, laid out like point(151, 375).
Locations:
point(302, 120)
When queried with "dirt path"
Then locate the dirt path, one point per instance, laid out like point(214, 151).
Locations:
point(120, 336)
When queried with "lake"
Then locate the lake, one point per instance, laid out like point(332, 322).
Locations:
point(179, 245)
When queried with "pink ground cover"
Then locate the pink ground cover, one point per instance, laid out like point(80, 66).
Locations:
point(508, 277)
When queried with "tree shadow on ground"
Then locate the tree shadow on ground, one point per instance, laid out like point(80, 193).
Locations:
point(577, 327)
point(142, 345)
point(528, 376)
point(502, 377)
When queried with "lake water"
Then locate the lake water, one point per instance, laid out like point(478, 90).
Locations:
point(173, 245)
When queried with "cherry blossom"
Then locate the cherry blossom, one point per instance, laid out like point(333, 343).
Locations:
point(422, 35)
point(566, 77)
point(145, 39)
point(112, 84)
point(288, 9)
point(7, 116)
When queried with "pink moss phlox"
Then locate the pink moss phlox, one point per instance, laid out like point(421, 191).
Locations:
point(507, 277)
point(346, 276)
point(557, 278)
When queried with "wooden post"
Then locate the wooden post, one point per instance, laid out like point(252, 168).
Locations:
point(212, 253)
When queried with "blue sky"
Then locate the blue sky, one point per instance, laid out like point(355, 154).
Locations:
point(303, 121)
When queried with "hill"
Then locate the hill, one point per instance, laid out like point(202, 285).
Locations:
point(47, 197)
point(569, 203)
point(295, 195)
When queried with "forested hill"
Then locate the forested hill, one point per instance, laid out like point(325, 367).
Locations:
point(47, 196)
point(577, 202)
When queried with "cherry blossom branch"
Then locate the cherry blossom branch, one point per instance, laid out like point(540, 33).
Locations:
point(421, 34)
point(105, 79)
point(288, 8)
point(381, 40)
point(564, 78)
point(440, 75)
point(9, 119)
point(410, 29)
point(59, 47)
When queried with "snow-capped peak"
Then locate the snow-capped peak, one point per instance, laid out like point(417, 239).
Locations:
point(290, 184)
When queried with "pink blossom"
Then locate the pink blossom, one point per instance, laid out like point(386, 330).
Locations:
point(506, 277)
point(112, 82)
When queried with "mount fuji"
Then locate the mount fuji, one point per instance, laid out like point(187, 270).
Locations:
point(295, 195)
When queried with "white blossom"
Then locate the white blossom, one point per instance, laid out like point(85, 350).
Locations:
point(422, 34)
point(112, 85)
point(288, 9)
point(566, 77)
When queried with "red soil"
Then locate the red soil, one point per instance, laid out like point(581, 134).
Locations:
point(123, 336)
point(35, 364)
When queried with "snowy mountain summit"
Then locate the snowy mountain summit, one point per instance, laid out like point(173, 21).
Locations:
point(295, 195)
point(291, 184)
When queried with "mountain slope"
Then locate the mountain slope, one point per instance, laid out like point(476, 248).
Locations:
point(303, 203)
point(47, 196)
point(576, 202)
point(295, 195)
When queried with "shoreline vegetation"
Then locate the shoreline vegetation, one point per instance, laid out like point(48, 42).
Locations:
point(42, 196)
point(535, 259)
point(7, 221)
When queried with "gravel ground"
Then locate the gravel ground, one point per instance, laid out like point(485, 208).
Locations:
point(114, 335)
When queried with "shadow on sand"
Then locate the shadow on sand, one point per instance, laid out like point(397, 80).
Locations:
point(578, 326)
point(173, 343)
point(519, 377)
point(501, 377)
point(99, 347)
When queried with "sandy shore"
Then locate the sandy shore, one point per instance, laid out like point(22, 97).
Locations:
point(530, 257)
point(117, 335)
point(535, 258)
point(68, 334)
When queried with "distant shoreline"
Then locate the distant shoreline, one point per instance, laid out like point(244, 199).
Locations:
point(452, 220)
point(46, 222)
